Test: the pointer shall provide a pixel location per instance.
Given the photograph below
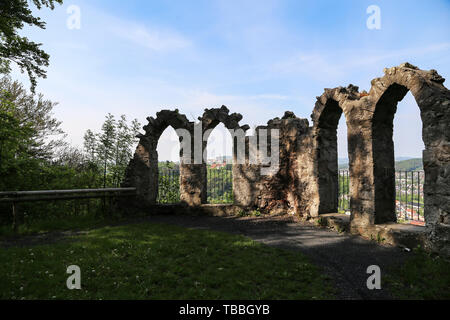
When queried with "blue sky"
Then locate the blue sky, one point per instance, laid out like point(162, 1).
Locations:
point(259, 58)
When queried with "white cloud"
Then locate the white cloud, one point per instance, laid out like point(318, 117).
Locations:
point(154, 39)
point(269, 96)
point(315, 65)
point(332, 66)
point(400, 53)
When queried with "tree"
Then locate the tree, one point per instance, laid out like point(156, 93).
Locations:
point(14, 133)
point(86, 172)
point(125, 139)
point(34, 110)
point(14, 14)
point(105, 147)
point(112, 148)
point(90, 145)
point(29, 137)
point(121, 148)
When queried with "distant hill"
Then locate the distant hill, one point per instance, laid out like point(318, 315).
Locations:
point(402, 165)
point(343, 163)
point(409, 165)
point(343, 166)
point(403, 158)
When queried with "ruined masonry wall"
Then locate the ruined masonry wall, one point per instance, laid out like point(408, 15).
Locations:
point(306, 182)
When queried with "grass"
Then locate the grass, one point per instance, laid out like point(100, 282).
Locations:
point(252, 213)
point(156, 261)
point(48, 224)
point(422, 276)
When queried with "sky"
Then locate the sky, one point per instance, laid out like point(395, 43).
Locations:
point(259, 58)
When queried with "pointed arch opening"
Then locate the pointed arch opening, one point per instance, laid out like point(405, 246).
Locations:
point(409, 173)
point(334, 182)
point(343, 167)
point(168, 174)
point(398, 181)
point(219, 164)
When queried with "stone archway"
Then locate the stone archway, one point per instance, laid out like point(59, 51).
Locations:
point(209, 120)
point(383, 153)
point(142, 172)
point(328, 157)
point(326, 115)
point(433, 99)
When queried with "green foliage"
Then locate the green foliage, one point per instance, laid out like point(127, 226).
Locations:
point(36, 112)
point(256, 213)
point(111, 148)
point(409, 165)
point(168, 185)
point(105, 144)
point(68, 171)
point(403, 165)
point(13, 135)
point(344, 190)
point(243, 213)
point(89, 215)
point(34, 156)
point(380, 239)
point(167, 165)
point(220, 185)
point(28, 55)
point(27, 139)
point(152, 261)
point(321, 221)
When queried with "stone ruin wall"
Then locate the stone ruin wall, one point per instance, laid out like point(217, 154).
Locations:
point(306, 183)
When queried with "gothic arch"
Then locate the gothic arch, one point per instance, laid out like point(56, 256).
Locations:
point(165, 118)
point(146, 155)
point(433, 100)
point(326, 115)
point(210, 119)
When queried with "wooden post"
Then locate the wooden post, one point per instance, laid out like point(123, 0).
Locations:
point(110, 206)
point(104, 205)
point(14, 209)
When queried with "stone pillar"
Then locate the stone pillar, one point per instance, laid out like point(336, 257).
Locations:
point(193, 184)
point(362, 199)
point(436, 163)
point(142, 173)
point(308, 205)
point(246, 186)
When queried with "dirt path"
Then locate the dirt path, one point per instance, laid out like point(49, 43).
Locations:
point(343, 257)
